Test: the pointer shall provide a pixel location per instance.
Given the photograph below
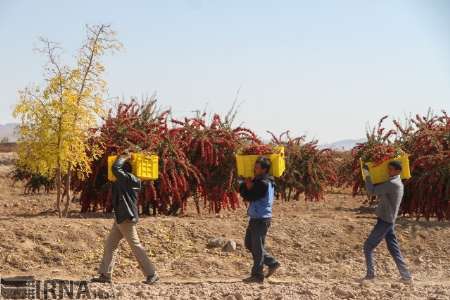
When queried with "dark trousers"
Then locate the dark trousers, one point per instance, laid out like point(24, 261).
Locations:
point(384, 230)
point(255, 238)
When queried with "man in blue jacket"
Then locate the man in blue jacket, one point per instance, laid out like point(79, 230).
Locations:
point(259, 192)
point(124, 201)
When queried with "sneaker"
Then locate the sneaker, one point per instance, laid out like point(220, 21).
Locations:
point(152, 279)
point(407, 280)
point(254, 279)
point(273, 269)
point(101, 278)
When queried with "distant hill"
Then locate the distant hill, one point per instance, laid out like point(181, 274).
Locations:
point(8, 131)
point(343, 144)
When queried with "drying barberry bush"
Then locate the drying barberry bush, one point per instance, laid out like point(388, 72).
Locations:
point(427, 140)
point(309, 169)
point(196, 159)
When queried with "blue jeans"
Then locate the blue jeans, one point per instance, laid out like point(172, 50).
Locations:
point(384, 230)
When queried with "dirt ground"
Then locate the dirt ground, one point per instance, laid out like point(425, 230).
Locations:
point(318, 244)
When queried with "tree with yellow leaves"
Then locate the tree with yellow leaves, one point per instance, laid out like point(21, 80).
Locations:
point(55, 120)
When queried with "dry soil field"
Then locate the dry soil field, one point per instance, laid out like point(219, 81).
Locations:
point(318, 244)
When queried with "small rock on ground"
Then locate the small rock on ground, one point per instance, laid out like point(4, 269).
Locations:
point(230, 246)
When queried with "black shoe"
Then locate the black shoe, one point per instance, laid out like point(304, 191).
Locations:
point(102, 278)
point(273, 269)
point(151, 279)
point(254, 279)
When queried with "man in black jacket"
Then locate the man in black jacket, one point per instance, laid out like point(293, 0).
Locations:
point(259, 192)
point(124, 200)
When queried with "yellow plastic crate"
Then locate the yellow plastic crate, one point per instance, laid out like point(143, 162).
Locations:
point(246, 164)
point(111, 161)
point(144, 166)
point(379, 173)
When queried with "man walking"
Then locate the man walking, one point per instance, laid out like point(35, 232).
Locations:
point(390, 195)
point(259, 192)
point(124, 200)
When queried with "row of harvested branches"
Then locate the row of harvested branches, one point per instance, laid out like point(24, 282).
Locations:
point(427, 141)
point(196, 160)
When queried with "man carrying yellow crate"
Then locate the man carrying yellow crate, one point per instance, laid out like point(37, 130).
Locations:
point(390, 195)
point(124, 200)
point(260, 192)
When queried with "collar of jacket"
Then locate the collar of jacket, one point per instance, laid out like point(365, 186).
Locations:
point(264, 177)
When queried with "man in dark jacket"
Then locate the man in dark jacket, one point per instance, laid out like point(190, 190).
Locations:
point(259, 192)
point(124, 200)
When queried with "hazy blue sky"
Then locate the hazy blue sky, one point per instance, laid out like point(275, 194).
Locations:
point(324, 68)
